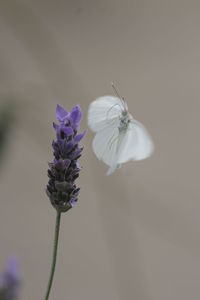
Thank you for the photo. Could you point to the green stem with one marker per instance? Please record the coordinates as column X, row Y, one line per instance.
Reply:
column 55, row 247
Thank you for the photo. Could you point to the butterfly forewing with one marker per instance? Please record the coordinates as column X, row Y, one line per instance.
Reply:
column 105, row 143
column 102, row 111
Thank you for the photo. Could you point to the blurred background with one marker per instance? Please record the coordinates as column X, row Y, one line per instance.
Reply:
column 135, row 234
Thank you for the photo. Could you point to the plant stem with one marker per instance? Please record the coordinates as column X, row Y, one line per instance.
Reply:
column 55, row 247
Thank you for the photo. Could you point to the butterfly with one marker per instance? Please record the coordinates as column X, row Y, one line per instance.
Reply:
column 119, row 137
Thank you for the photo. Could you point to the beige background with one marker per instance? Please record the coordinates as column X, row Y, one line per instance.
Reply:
column 134, row 235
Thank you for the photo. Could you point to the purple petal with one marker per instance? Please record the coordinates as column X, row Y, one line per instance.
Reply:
column 79, row 137
column 68, row 131
column 73, row 201
column 61, row 113
column 75, row 116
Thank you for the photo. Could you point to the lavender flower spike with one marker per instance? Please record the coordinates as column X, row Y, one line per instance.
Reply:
column 64, row 169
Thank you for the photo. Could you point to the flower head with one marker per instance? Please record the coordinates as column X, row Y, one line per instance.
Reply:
column 64, row 169
column 10, row 280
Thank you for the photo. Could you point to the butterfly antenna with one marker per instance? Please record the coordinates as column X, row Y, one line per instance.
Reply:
column 116, row 91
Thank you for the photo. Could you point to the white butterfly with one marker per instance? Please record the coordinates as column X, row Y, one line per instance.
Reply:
column 119, row 137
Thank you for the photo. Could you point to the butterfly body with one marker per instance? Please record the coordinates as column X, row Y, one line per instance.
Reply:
column 124, row 121
column 119, row 137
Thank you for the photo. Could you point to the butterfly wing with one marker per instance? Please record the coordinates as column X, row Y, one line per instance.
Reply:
column 119, row 142
column 137, row 143
column 105, row 143
column 102, row 111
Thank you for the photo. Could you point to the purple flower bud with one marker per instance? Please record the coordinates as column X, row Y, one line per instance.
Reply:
column 64, row 169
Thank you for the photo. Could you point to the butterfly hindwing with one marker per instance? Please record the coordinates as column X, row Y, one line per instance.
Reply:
column 137, row 143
